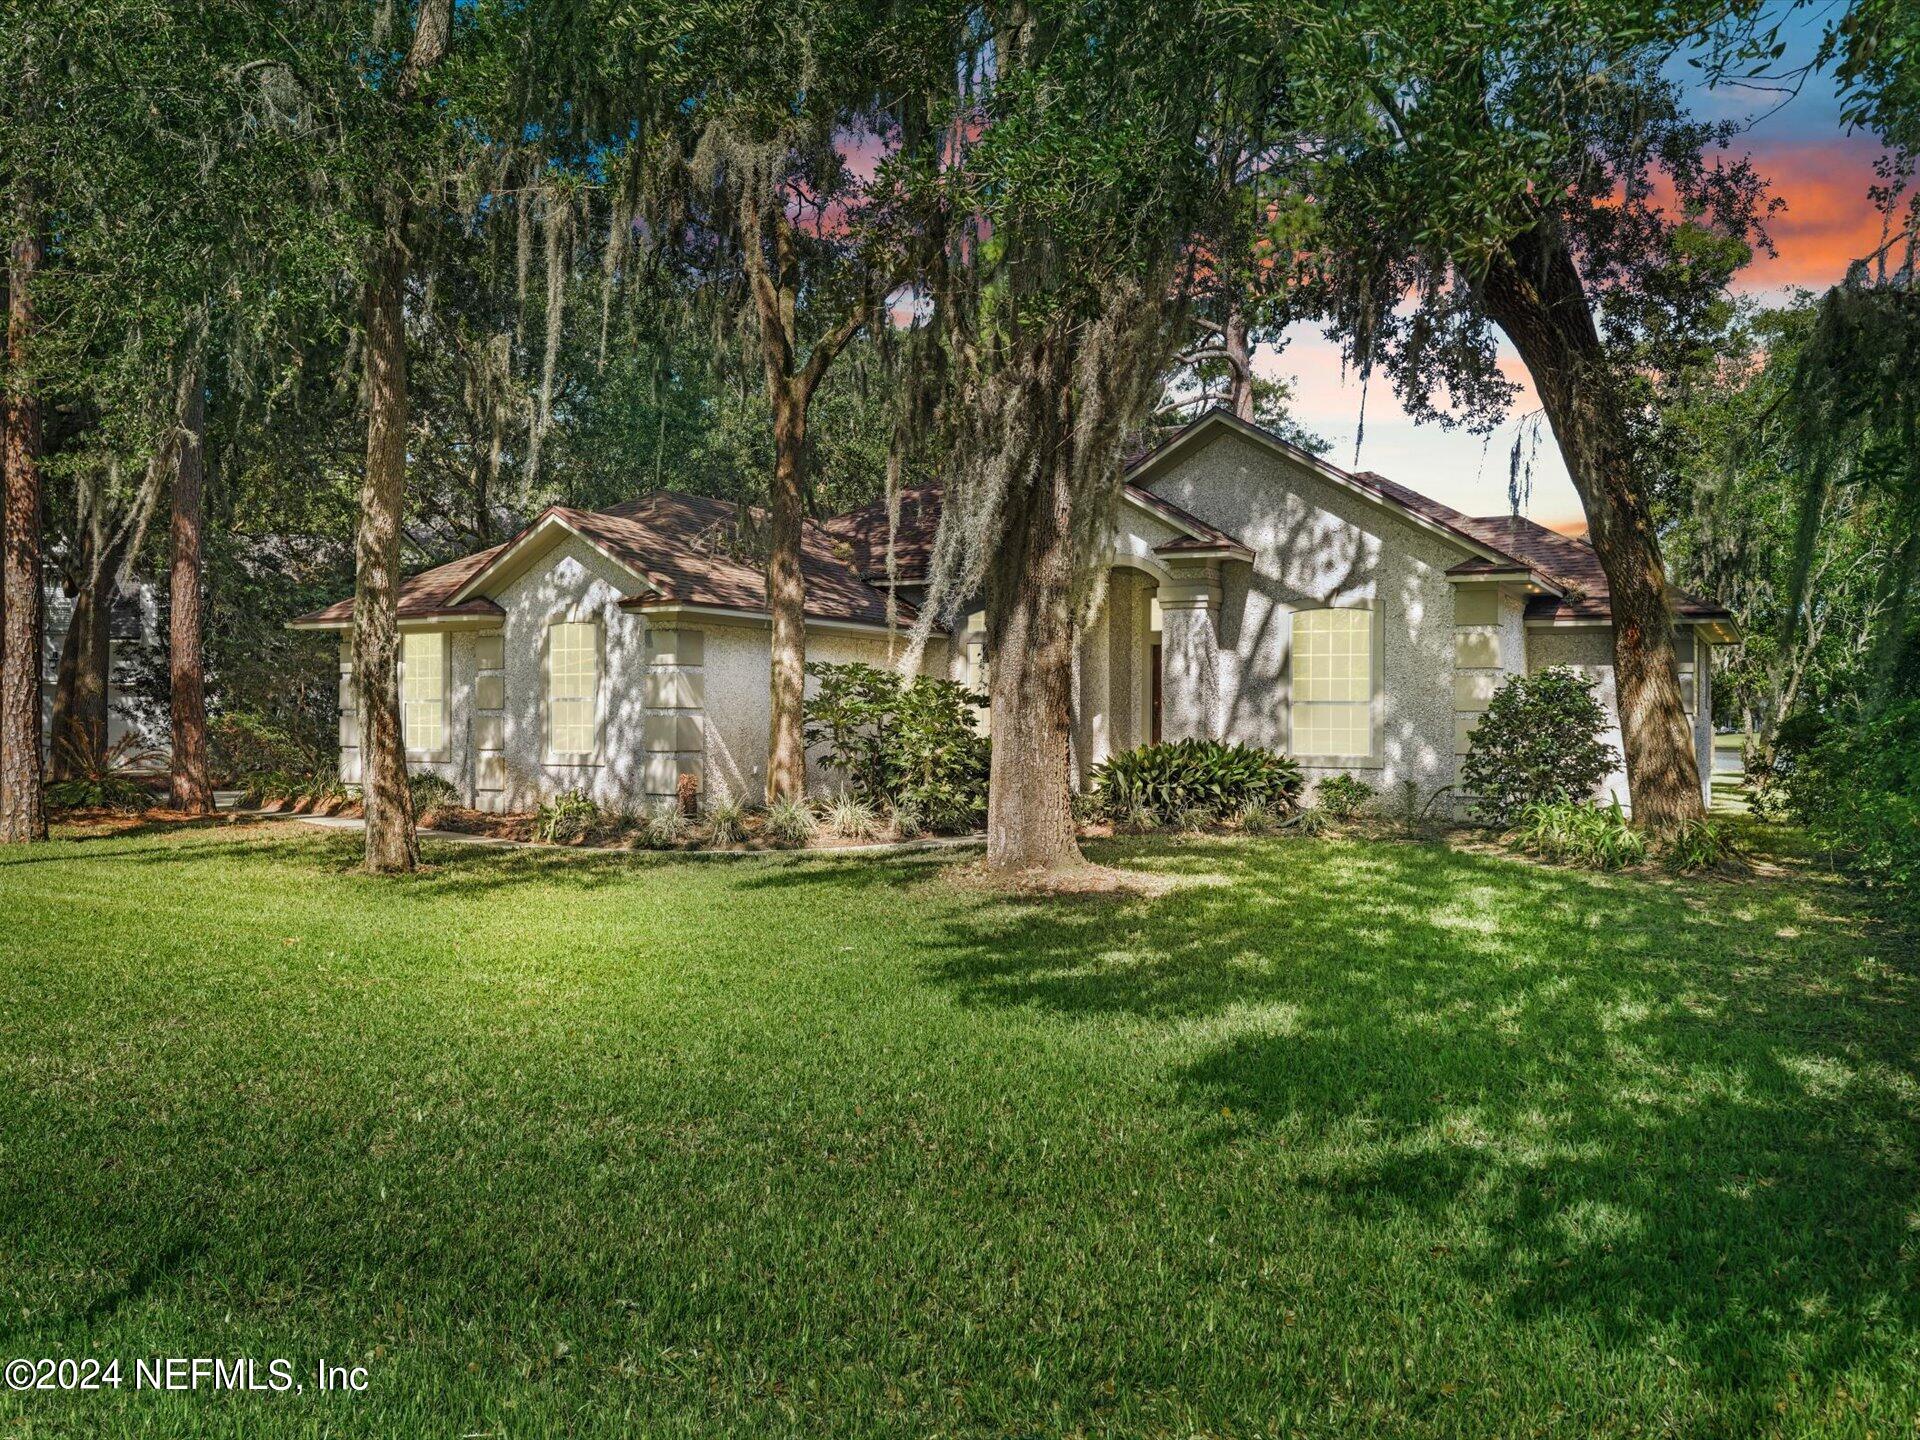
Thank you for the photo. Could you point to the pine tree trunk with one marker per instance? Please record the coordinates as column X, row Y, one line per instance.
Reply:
column 391, row 846
column 390, row 843
column 23, row 813
column 1534, row 293
column 190, row 789
column 1030, row 827
column 77, row 744
column 787, row 599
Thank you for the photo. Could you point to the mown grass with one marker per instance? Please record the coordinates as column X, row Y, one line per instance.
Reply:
column 1339, row 1139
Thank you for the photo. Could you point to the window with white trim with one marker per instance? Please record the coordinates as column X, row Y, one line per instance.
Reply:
column 573, row 682
column 423, row 693
column 1333, row 682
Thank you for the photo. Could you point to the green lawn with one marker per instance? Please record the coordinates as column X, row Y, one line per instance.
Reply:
column 1339, row 1139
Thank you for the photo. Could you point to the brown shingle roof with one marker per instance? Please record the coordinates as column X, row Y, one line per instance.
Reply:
column 686, row 547
column 864, row 533
column 1574, row 567
column 424, row 596
column 865, row 530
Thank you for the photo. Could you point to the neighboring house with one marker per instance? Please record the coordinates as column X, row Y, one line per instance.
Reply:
column 137, row 730
column 1254, row 593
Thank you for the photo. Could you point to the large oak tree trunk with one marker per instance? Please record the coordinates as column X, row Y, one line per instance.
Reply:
column 787, row 599
column 190, row 789
column 390, row 842
column 1534, row 293
column 1030, row 628
column 23, row 813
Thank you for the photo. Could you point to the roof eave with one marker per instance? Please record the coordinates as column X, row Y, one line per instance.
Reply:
column 652, row 605
column 439, row 618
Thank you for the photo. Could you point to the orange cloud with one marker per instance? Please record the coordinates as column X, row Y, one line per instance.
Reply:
column 1828, row 220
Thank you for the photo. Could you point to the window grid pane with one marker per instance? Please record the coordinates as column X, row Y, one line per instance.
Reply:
column 423, row 692
column 573, row 677
column 1333, row 682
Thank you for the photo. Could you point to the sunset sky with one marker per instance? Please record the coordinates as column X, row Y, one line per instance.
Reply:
column 1798, row 144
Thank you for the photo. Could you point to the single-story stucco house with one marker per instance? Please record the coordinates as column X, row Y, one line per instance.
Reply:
column 1256, row 593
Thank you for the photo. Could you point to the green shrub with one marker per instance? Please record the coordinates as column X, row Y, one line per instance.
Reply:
column 903, row 742
column 567, row 819
column 245, row 743
column 98, row 792
column 1577, row 832
column 1343, row 796
column 431, row 792
column 790, row 822
column 1855, row 783
column 1537, row 744
column 907, row 822
column 726, row 822
column 1171, row 779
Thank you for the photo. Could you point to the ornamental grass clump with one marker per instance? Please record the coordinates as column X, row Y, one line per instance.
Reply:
column 1256, row 817
column 852, row 818
column 567, row 819
column 1579, row 833
column 726, row 821
column 1698, row 844
column 790, row 821
column 666, row 827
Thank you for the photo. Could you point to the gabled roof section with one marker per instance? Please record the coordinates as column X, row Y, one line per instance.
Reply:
column 677, row 549
column 426, row 596
column 1428, row 514
column 1497, row 546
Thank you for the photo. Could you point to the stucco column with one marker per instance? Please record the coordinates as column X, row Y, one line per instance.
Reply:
column 1093, row 702
column 1190, row 652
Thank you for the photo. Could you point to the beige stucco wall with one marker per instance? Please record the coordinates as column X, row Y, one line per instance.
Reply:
column 739, row 708
column 722, row 701
column 1316, row 544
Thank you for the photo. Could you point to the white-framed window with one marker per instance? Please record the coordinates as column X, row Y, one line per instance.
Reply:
column 573, row 684
column 423, row 693
column 1333, row 677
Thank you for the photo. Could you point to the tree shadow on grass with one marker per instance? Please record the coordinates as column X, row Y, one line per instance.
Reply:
column 1690, row 1109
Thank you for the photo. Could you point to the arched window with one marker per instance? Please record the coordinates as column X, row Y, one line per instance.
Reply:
column 1333, row 683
